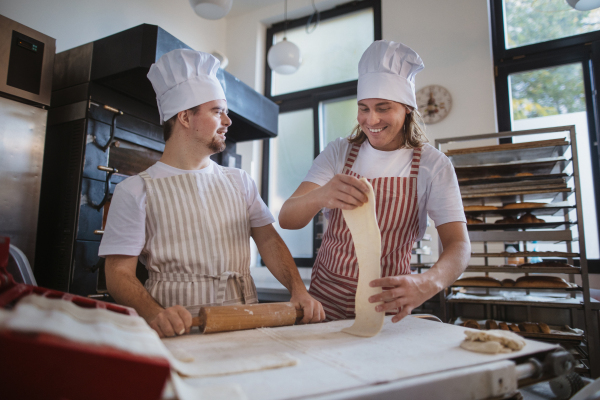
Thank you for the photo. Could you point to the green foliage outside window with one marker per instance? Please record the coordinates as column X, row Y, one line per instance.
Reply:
column 549, row 91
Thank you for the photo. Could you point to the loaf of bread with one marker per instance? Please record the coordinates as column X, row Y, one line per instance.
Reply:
column 543, row 327
column 514, row 328
column 471, row 221
column 491, row 324
column 508, row 283
column 529, row 327
column 507, row 220
column 541, row 281
column 524, row 174
column 523, row 205
column 480, row 208
column 470, row 323
column 478, row 281
column 503, row 326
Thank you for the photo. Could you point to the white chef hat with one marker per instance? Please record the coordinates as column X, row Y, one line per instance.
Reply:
column 387, row 70
column 183, row 79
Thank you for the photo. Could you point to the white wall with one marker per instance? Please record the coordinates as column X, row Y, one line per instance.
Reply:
column 452, row 38
column 76, row 22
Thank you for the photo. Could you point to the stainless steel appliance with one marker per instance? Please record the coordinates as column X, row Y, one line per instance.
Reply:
column 26, row 63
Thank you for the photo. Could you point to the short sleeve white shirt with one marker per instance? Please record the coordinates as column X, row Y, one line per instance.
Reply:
column 437, row 187
column 125, row 230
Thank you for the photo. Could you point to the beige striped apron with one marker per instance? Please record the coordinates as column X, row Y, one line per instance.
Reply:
column 197, row 241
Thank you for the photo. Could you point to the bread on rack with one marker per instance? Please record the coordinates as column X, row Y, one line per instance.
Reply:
column 480, row 208
column 524, row 174
column 471, row 323
column 543, row 327
column 529, row 218
column 529, row 327
column 522, row 205
column 541, row 281
column 503, row 326
column 514, row 328
column 508, row 283
column 484, row 281
column 491, row 324
column 507, row 220
column 471, row 221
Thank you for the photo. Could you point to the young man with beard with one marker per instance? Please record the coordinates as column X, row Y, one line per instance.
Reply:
column 188, row 219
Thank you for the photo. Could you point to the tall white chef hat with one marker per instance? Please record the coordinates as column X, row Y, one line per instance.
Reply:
column 387, row 70
column 183, row 79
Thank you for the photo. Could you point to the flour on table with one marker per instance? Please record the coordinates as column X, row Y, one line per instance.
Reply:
column 366, row 236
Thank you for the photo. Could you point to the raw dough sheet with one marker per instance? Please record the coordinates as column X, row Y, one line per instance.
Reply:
column 366, row 236
column 330, row 360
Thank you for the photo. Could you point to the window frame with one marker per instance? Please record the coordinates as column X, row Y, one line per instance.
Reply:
column 311, row 98
column 583, row 48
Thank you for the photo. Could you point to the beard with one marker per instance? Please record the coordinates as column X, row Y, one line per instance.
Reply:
column 217, row 145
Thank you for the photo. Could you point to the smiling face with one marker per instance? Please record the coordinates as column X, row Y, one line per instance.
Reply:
column 209, row 124
column 383, row 122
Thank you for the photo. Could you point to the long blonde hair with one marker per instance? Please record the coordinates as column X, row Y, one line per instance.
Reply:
column 413, row 132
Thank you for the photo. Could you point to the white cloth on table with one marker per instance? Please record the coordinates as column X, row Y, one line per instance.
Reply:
column 125, row 228
column 437, row 186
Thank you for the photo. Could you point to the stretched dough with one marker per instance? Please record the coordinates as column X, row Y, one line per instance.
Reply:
column 366, row 236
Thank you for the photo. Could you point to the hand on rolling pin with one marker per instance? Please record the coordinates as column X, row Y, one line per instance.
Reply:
column 343, row 191
column 313, row 310
column 403, row 292
column 172, row 321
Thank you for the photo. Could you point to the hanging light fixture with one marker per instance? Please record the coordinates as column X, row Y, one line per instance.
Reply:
column 284, row 57
column 211, row 9
column 584, row 5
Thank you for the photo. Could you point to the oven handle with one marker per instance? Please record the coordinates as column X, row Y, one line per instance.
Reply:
column 112, row 128
column 107, row 195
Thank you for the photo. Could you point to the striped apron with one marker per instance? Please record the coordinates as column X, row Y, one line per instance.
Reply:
column 335, row 273
column 197, row 241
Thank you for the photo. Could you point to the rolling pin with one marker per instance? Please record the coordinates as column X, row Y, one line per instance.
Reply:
column 246, row 316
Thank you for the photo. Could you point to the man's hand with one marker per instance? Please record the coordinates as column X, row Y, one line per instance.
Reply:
column 343, row 191
column 404, row 292
column 172, row 321
column 313, row 310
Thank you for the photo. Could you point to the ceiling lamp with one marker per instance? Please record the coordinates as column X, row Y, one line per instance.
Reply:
column 584, row 5
column 211, row 9
column 284, row 57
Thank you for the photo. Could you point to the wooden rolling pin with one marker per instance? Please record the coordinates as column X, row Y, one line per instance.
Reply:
column 246, row 316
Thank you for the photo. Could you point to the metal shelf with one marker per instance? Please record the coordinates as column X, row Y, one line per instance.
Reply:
column 550, row 304
column 507, row 153
column 502, row 179
column 513, row 236
column 550, row 209
column 527, row 254
column 514, row 227
column 548, row 166
column 524, row 270
column 513, row 196
column 569, row 289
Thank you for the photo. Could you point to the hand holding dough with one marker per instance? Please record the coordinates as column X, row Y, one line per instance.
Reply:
column 366, row 236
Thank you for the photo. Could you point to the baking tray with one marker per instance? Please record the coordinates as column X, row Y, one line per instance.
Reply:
column 523, row 270
column 502, row 179
column 528, row 254
column 569, row 289
column 508, row 152
column 576, row 304
column 511, row 196
column 557, row 333
column 521, row 184
column 514, row 227
column 550, row 209
column 536, row 167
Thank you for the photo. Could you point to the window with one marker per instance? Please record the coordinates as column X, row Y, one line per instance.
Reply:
column 545, row 55
column 317, row 105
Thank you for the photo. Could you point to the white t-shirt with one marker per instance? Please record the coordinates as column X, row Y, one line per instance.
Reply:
column 437, row 186
column 125, row 231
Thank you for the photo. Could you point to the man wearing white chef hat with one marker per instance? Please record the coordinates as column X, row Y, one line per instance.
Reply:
column 410, row 178
column 188, row 219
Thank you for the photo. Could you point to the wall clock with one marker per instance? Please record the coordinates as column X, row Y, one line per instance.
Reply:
column 434, row 103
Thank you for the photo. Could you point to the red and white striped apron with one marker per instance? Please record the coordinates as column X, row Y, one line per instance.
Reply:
column 335, row 273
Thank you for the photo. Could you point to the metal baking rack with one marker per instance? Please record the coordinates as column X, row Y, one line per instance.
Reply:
column 515, row 173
